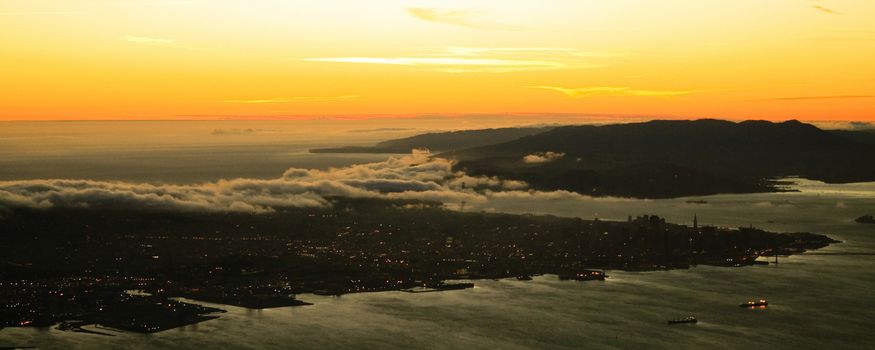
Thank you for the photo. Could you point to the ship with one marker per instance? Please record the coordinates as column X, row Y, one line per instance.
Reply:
column 439, row 287
column 755, row 303
column 585, row 275
column 453, row 286
column 690, row 319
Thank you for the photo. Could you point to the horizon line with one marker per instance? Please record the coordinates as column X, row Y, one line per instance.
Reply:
column 370, row 116
column 631, row 118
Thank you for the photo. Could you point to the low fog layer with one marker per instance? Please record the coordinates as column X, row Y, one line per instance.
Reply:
column 415, row 176
column 545, row 157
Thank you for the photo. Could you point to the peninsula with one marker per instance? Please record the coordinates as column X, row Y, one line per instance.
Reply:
column 66, row 264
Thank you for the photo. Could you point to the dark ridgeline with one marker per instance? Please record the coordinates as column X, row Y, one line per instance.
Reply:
column 865, row 136
column 75, row 264
column 660, row 159
column 656, row 159
column 441, row 141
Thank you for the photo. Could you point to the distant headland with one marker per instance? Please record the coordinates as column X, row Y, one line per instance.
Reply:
column 656, row 159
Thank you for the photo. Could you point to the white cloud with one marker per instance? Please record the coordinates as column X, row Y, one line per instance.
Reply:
column 416, row 176
column 542, row 157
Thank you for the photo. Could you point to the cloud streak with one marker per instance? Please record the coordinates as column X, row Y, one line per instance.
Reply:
column 483, row 59
column 825, row 10
column 455, row 17
column 611, row 91
column 521, row 51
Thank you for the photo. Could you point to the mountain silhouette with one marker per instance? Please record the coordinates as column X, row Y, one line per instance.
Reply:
column 669, row 158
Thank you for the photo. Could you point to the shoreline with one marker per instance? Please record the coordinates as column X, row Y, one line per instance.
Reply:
column 466, row 283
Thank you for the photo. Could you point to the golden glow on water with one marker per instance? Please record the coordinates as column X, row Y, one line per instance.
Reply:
column 156, row 59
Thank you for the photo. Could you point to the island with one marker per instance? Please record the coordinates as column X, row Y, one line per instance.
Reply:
column 126, row 269
column 866, row 219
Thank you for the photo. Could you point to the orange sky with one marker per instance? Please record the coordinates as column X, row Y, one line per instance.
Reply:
column 165, row 59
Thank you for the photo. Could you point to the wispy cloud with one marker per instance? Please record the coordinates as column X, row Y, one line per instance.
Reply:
column 809, row 98
column 861, row 125
column 825, row 10
column 522, row 51
column 482, row 59
column 611, row 91
column 296, row 99
column 456, row 17
column 154, row 41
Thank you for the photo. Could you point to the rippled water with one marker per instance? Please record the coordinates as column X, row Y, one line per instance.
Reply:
column 822, row 299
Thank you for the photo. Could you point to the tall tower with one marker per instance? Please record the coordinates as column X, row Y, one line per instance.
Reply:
column 695, row 222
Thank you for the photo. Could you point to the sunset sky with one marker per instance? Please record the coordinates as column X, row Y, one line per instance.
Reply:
column 153, row 59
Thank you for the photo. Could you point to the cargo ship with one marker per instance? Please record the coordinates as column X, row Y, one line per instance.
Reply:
column 755, row 303
column 691, row 319
column 585, row 275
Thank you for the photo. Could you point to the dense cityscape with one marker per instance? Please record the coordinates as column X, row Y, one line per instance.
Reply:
column 126, row 269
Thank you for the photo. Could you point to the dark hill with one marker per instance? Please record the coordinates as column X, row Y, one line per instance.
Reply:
column 861, row 136
column 675, row 158
column 442, row 141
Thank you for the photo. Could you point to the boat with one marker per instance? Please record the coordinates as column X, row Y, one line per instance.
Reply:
column 328, row 292
column 755, row 303
column 585, row 275
column 439, row 287
column 690, row 319
column 453, row 286
column 697, row 202
column 524, row 278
